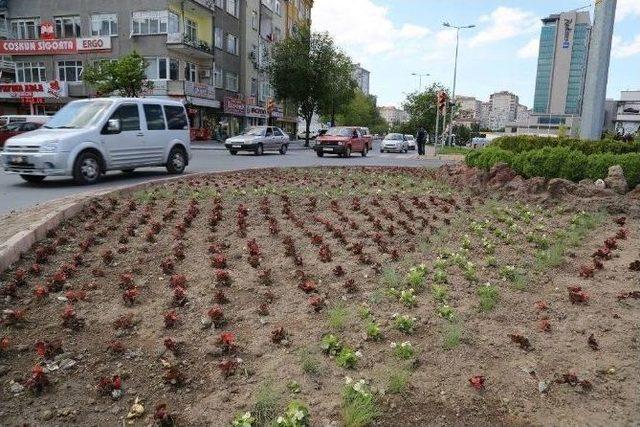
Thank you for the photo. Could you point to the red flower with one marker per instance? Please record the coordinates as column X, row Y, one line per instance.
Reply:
column 477, row 382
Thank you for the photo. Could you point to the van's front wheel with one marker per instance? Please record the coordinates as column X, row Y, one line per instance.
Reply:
column 86, row 169
column 177, row 161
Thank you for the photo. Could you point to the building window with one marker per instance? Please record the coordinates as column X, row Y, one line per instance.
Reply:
column 104, row 25
column 161, row 68
column 220, row 4
column 232, row 82
column 67, row 27
column 174, row 23
column 254, row 20
column 26, row 28
column 191, row 30
column 190, row 72
column 174, row 69
column 232, row 44
column 30, row 72
column 254, row 87
column 219, row 38
column 70, row 71
column 217, row 77
column 145, row 23
column 278, row 7
column 232, row 7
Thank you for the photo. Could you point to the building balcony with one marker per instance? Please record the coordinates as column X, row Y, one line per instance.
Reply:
column 196, row 48
column 202, row 94
column 628, row 117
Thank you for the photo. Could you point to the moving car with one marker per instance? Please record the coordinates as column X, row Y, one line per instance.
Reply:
column 87, row 138
column 394, row 142
column 411, row 142
column 367, row 135
column 258, row 140
column 342, row 141
column 16, row 128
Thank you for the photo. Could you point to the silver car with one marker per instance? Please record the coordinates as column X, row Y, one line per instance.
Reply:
column 411, row 142
column 394, row 142
column 258, row 140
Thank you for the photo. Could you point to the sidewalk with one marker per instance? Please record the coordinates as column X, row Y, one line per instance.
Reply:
column 217, row 145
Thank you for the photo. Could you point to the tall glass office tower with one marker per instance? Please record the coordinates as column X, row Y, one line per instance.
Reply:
column 562, row 63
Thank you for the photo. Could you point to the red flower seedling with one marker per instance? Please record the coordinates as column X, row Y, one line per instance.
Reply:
column 325, row 254
column 107, row 386
column 622, row 234
column 12, row 316
column 587, row 271
column 627, row 295
column 278, row 336
column 57, row 281
column 263, row 310
column 124, row 322
column 20, row 277
column 126, row 281
column 162, row 417
column 620, row 221
column 253, row 248
column 70, row 319
column 75, row 296
column 107, row 256
column 350, row 286
column 269, row 297
column 308, row 286
column 228, row 367
column 477, row 382
column 171, row 345
column 317, row 303
column 611, row 243
column 219, row 261
column 227, row 341
column 173, row 376
column 220, row 297
column 216, row 314
column 338, row 271
column 98, row 272
column 577, row 295
column 167, row 266
column 116, row 347
column 522, row 341
column 130, row 295
column 38, row 380
column 171, row 319
column 179, row 296
column 264, row 277
column 9, row 290
column 593, row 343
column 223, row 278
column 49, row 349
column 35, row 269
column 178, row 281
column 603, row 253
column 598, row 264
column 544, row 325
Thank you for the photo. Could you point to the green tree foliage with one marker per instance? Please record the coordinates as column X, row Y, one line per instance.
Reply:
column 422, row 109
column 308, row 70
column 126, row 76
column 463, row 134
column 362, row 111
column 341, row 87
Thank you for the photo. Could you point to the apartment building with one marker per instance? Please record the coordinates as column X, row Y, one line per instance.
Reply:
column 393, row 115
column 504, row 109
column 362, row 78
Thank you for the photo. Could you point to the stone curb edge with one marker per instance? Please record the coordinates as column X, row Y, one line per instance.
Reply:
column 22, row 241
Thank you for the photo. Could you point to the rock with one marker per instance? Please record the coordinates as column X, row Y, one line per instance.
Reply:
column 47, row 415
column 500, row 174
column 559, row 187
column 4, row 369
column 586, row 183
column 536, row 185
column 67, row 364
column 206, row 322
column 543, row 386
column 600, row 184
column 635, row 194
column 16, row 388
column 616, row 180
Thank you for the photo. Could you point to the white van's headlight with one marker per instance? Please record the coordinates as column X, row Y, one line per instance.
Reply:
column 49, row 147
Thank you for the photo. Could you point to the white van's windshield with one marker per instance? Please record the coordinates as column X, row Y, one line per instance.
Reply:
column 78, row 115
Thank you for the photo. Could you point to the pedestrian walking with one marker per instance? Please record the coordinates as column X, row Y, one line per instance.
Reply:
column 421, row 139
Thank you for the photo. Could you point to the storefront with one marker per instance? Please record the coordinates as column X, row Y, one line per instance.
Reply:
column 201, row 108
column 255, row 116
column 33, row 98
column 228, row 123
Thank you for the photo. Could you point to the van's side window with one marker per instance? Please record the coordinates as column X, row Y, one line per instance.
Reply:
column 129, row 117
column 176, row 117
column 154, row 116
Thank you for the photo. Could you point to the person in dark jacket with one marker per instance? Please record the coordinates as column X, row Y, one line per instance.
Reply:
column 421, row 139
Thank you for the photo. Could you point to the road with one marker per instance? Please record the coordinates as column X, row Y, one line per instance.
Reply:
column 15, row 194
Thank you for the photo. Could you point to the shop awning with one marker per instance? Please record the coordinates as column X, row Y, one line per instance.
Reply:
column 202, row 102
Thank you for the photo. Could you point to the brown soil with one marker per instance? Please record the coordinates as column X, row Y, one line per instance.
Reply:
column 402, row 218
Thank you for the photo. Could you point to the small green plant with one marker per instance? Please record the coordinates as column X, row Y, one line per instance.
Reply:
column 243, row 420
column 440, row 276
column 403, row 350
column 266, row 407
column 398, row 381
column 347, row 358
column 470, row 272
column 491, row 261
column 451, row 336
column 390, row 278
column 416, row 275
column 466, row 242
column 374, row 333
column 364, row 312
column 358, row 404
column 296, row 415
column 440, row 264
column 513, row 275
column 489, row 296
column 440, row 293
column 331, row 345
column 408, row 298
column 446, row 312
column 294, row 387
column 488, row 247
column 337, row 318
column 311, row 364
column 404, row 323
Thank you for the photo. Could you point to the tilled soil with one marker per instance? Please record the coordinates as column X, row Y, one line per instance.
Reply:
column 375, row 224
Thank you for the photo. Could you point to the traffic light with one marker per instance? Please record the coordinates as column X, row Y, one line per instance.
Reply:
column 271, row 105
column 442, row 101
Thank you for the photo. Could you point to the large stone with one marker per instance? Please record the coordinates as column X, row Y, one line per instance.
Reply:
column 559, row 187
column 616, row 180
column 500, row 174
column 635, row 194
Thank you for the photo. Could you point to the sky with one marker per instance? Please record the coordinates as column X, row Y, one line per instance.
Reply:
column 395, row 38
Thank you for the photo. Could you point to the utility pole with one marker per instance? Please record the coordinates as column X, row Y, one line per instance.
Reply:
column 595, row 92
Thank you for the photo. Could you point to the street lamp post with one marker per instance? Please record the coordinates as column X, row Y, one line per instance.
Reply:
column 455, row 71
column 420, row 76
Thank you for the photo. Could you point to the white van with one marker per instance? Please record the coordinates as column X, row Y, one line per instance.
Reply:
column 11, row 119
column 87, row 138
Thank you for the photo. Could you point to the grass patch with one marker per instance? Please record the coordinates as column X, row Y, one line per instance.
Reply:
column 337, row 318
column 489, row 296
column 359, row 408
column 451, row 334
column 398, row 381
column 311, row 364
column 449, row 150
column 391, row 278
column 267, row 405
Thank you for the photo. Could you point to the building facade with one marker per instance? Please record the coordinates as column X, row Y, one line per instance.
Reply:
column 562, row 63
column 362, row 78
column 393, row 115
column 504, row 109
column 627, row 113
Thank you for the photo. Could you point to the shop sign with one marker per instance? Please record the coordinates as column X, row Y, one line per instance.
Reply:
column 47, row 30
column 200, row 90
column 54, row 47
column 277, row 113
column 257, row 112
column 52, row 89
column 234, row 106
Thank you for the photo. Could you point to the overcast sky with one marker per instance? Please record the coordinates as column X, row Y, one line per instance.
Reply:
column 394, row 38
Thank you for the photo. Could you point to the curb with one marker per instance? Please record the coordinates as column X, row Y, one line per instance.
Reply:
column 21, row 242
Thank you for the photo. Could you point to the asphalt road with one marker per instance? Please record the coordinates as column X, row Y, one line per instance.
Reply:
column 15, row 194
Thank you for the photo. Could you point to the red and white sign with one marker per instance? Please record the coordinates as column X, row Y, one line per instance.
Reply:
column 47, row 30
column 54, row 47
column 52, row 89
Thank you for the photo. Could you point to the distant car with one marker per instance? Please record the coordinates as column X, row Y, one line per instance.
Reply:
column 258, row 140
column 313, row 134
column 342, row 141
column 16, row 128
column 394, row 142
column 411, row 142
column 479, row 142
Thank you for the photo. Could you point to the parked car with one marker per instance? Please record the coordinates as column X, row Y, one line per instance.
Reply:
column 394, row 142
column 342, row 141
column 313, row 134
column 479, row 142
column 16, row 128
column 411, row 142
column 258, row 140
column 366, row 134
column 15, row 118
column 87, row 138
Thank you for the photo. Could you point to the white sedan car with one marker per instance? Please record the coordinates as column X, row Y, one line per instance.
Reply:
column 411, row 142
column 394, row 142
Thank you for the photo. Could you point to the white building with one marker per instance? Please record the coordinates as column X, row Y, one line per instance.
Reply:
column 362, row 77
column 469, row 107
column 627, row 119
column 504, row 109
column 393, row 115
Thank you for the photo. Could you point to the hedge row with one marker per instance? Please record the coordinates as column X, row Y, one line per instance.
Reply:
column 522, row 143
column 558, row 162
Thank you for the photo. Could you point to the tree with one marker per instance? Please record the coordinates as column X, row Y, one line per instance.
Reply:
column 341, row 87
column 126, row 76
column 303, row 71
column 362, row 111
column 422, row 109
column 462, row 133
